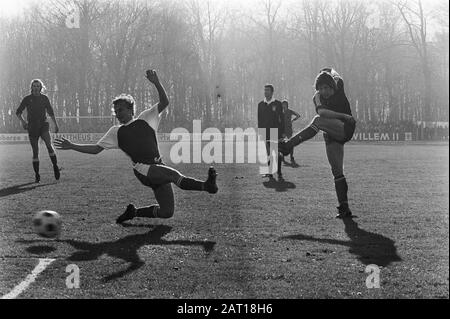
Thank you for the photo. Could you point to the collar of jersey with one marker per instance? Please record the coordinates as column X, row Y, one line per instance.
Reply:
column 129, row 122
column 268, row 102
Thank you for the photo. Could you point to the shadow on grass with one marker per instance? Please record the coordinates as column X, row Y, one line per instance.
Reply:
column 369, row 248
column 127, row 248
column 279, row 185
column 21, row 188
column 41, row 249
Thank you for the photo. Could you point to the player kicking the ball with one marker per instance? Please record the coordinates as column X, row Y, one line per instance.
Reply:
column 137, row 138
column 334, row 118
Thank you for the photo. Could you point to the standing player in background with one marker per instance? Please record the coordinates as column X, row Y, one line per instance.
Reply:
column 288, row 120
column 137, row 138
column 334, row 118
column 270, row 115
column 37, row 106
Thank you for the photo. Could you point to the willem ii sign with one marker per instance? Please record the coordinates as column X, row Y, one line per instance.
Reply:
column 165, row 137
column 379, row 136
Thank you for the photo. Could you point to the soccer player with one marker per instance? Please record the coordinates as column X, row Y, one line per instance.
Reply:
column 270, row 115
column 137, row 138
column 335, row 119
column 288, row 120
column 37, row 106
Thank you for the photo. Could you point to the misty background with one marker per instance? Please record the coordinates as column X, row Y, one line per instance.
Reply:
column 214, row 57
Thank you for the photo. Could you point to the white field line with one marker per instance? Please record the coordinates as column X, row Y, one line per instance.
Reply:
column 43, row 263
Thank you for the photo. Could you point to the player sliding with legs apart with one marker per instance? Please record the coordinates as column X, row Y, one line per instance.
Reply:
column 335, row 120
column 137, row 138
column 37, row 106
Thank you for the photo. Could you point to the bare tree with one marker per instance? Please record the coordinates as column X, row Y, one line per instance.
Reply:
column 214, row 59
column 416, row 23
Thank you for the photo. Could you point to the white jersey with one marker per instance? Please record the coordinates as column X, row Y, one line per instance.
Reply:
column 136, row 139
column 110, row 139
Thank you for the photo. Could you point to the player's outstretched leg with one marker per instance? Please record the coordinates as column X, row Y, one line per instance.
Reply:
column 162, row 174
column 164, row 209
column 189, row 183
column 333, row 127
column 51, row 152
column 307, row 133
column 335, row 155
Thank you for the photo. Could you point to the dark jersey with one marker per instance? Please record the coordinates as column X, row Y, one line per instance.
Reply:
column 270, row 115
column 37, row 107
column 338, row 102
column 136, row 138
column 138, row 141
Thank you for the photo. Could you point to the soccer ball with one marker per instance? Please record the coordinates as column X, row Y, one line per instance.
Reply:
column 47, row 223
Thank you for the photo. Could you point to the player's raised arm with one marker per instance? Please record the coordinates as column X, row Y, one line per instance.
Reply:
column 64, row 144
column 108, row 141
column 163, row 99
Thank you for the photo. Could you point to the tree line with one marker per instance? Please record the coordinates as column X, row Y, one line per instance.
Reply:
column 214, row 58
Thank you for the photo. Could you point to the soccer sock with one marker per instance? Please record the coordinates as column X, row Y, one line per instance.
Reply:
column 53, row 159
column 36, row 165
column 148, row 212
column 280, row 160
column 268, row 154
column 188, row 183
column 341, row 187
column 305, row 134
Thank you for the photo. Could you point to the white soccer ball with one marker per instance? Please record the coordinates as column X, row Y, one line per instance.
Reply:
column 47, row 223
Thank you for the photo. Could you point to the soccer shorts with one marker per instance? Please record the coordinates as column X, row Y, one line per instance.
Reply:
column 36, row 131
column 141, row 172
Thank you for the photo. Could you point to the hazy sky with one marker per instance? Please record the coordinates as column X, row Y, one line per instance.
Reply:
column 12, row 8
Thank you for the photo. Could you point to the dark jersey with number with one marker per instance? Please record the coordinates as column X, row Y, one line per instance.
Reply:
column 138, row 141
column 37, row 107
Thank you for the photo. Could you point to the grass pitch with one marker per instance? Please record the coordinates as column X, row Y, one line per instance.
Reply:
column 251, row 240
